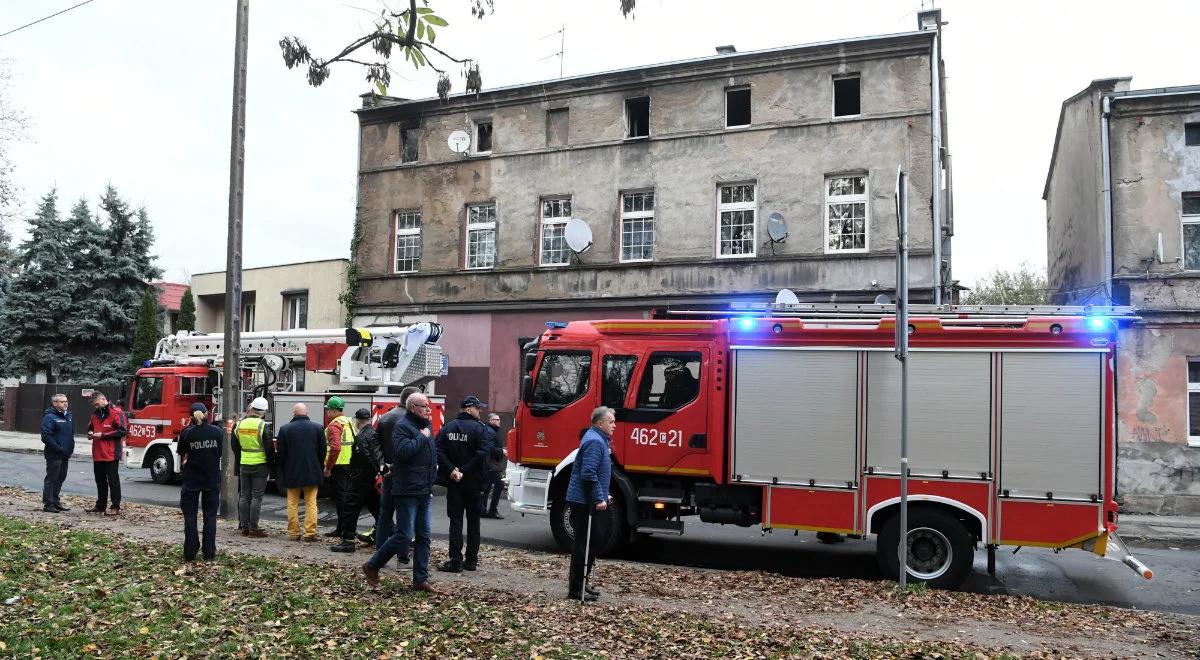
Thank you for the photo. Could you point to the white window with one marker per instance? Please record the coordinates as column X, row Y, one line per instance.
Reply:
column 247, row 317
column 637, row 226
column 846, row 214
column 408, row 241
column 736, row 211
column 554, row 250
column 295, row 309
column 1191, row 230
column 1193, row 390
column 481, row 236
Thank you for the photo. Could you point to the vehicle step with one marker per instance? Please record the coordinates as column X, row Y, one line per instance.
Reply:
column 660, row 495
column 674, row 527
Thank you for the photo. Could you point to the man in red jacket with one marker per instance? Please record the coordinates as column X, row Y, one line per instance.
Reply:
column 107, row 427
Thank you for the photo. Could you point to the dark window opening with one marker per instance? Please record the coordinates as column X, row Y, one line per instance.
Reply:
column 637, row 117
column 557, row 127
column 149, row 392
column 618, row 371
column 483, row 137
column 562, row 378
column 1191, row 203
column 737, row 107
column 408, row 145
column 670, row 381
column 847, row 97
column 1191, row 135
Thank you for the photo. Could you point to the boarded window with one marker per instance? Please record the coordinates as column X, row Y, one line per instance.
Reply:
column 637, row 117
column 847, row 99
column 737, row 107
column 408, row 144
column 1191, row 135
column 557, row 127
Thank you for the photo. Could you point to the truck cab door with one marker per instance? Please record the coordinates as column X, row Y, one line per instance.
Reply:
column 664, row 424
column 560, row 406
column 147, row 409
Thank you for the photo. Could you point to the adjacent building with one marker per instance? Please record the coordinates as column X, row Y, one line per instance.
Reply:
column 675, row 169
column 1123, row 225
column 170, row 297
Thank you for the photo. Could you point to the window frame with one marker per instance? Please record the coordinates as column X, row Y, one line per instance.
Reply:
column 416, row 146
column 864, row 198
column 623, row 215
column 137, row 390
column 1192, row 127
column 1186, row 219
column 749, row 108
column 397, row 233
column 1192, row 440
column 248, row 316
column 493, row 225
column 737, row 206
column 583, row 391
column 558, row 112
column 647, row 378
column 604, row 362
column 833, row 96
column 301, row 314
column 649, row 114
column 475, row 124
column 557, row 221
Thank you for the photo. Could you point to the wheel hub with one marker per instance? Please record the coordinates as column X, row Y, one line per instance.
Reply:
column 929, row 553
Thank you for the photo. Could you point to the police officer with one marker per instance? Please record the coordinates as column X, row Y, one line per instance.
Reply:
column 463, row 448
column 254, row 449
column 339, row 436
column 200, row 451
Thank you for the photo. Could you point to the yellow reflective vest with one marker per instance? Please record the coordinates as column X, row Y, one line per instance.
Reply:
column 347, row 440
column 249, row 435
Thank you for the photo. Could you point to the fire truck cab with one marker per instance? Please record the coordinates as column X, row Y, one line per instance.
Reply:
column 787, row 417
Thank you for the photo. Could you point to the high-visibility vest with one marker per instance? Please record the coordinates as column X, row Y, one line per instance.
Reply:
column 347, row 440
column 249, row 435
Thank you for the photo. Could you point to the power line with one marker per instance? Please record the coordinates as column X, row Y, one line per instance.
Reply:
column 46, row 18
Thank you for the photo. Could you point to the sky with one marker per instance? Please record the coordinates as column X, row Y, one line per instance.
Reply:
column 137, row 93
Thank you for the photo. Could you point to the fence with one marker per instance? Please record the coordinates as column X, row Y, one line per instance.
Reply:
column 32, row 400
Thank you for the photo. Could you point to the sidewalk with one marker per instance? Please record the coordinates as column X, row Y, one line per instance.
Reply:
column 1160, row 531
column 32, row 442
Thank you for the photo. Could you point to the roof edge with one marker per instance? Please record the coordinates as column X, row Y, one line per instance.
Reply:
column 1096, row 85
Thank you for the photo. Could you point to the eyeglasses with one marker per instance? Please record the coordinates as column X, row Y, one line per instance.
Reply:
column 420, row 405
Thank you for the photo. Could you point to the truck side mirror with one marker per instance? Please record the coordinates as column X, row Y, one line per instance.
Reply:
column 530, row 360
column 527, row 388
column 123, row 396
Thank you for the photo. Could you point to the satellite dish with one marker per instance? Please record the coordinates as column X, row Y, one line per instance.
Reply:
column 786, row 297
column 459, row 142
column 777, row 227
column 578, row 235
column 882, row 299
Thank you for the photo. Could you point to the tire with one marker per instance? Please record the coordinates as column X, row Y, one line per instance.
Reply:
column 560, row 523
column 941, row 550
column 162, row 466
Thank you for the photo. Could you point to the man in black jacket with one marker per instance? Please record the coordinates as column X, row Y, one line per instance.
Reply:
column 301, row 456
column 463, row 449
column 413, row 472
column 364, row 465
column 493, row 488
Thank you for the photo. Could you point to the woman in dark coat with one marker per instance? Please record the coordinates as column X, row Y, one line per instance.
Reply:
column 200, row 451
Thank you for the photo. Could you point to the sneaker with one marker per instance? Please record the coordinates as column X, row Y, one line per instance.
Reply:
column 50, row 508
column 372, row 574
column 450, row 566
column 470, row 565
column 61, row 507
column 344, row 546
column 592, row 590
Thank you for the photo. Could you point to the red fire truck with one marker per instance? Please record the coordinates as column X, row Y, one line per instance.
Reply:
column 787, row 416
column 371, row 366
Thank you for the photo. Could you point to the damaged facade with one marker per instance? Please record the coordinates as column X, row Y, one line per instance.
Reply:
column 675, row 168
column 1123, row 225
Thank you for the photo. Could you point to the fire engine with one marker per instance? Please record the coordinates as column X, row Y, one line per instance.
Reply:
column 787, row 417
column 371, row 366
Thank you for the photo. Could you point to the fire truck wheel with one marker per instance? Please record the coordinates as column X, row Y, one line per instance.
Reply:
column 940, row 549
column 564, row 535
column 162, row 466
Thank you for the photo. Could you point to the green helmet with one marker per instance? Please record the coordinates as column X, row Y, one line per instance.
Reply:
column 335, row 403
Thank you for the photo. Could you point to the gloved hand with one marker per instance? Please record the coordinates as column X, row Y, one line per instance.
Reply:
column 379, row 483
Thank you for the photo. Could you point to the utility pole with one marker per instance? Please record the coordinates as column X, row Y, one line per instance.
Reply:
column 231, row 387
column 902, row 356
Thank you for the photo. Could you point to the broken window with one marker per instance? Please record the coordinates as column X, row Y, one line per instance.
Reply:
column 557, row 127
column 408, row 241
column 1193, row 390
column 555, row 213
column 736, row 210
column 847, row 97
column 637, row 226
column 408, row 144
column 483, row 136
column 1191, row 231
column 737, row 107
column 1191, row 135
column 481, row 236
column 637, row 117
column 846, row 214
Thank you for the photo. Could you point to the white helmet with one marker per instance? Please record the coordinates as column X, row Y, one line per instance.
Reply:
column 259, row 403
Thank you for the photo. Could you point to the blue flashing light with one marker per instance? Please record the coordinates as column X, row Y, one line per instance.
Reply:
column 148, row 363
column 745, row 323
column 1097, row 323
column 556, row 325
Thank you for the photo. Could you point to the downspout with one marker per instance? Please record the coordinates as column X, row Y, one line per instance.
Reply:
column 1106, row 166
column 935, row 84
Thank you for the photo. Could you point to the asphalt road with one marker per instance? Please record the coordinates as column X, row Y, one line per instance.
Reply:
column 1071, row 576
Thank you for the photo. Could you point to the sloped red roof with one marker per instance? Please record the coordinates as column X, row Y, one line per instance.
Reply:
column 170, row 295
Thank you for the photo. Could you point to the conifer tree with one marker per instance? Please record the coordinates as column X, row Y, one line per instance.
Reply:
column 187, row 312
column 39, row 298
column 148, row 332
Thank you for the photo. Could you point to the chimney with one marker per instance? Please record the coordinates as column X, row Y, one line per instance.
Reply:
column 726, row 50
column 929, row 19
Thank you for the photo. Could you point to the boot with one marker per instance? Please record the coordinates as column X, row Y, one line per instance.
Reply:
column 346, row 545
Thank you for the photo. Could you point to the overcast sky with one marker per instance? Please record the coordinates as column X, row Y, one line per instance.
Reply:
column 137, row 93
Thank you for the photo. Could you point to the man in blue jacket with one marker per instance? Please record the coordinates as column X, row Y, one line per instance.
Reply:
column 58, row 434
column 587, row 495
column 414, row 468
